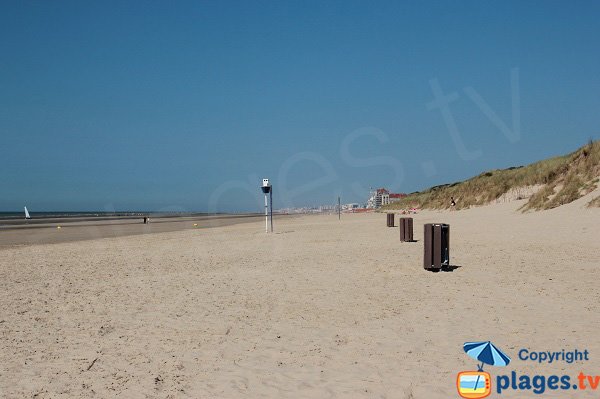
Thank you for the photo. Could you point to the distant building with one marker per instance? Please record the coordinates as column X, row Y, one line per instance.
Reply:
column 350, row 207
column 381, row 197
column 385, row 199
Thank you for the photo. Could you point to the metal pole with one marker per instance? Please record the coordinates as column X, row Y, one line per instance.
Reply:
column 339, row 209
column 266, row 214
column 271, row 206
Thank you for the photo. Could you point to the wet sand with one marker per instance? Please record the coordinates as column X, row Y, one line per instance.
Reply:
column 46, row 231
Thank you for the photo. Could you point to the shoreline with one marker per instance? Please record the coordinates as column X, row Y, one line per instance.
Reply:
column 46, row 231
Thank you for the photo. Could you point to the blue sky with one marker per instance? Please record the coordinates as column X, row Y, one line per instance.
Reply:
column 187, row 105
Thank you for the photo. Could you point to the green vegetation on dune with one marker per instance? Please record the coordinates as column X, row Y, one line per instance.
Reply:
column 557, row 181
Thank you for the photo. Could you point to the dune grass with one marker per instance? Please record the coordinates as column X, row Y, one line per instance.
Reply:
column 560, row 180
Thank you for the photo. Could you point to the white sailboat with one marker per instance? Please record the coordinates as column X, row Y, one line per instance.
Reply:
column 27, row 216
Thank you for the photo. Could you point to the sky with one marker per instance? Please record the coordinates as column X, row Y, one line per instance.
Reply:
column 186, row 106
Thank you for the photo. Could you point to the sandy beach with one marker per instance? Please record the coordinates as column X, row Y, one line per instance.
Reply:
column 320, row 309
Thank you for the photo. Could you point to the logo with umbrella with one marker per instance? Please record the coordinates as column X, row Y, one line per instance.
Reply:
column 478, row 384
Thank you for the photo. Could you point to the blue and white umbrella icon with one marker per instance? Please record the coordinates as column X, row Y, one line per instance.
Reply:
column 486, row 353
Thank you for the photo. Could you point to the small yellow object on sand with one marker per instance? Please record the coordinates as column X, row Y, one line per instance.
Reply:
column 58, row 227
column 195, row 224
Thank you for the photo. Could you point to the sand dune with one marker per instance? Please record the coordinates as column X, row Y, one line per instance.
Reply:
column 321, row 309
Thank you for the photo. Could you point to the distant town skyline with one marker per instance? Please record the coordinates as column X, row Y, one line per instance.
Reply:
column 186, row 106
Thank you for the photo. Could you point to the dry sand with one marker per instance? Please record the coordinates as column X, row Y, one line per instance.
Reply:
column 321, row 309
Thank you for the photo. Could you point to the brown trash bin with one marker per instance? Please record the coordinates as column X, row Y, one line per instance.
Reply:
column 406, row 229
column 390, row 220
column 437, row 246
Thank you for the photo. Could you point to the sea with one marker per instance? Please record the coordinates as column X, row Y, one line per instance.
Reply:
column 93, row 214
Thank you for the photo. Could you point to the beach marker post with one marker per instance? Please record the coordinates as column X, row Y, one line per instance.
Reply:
column 436, row 246
column 267, row 189
column 406, row 229
column 390, row 220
